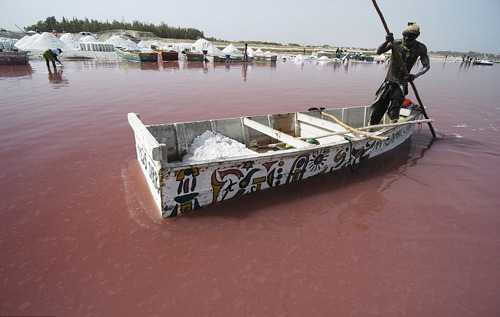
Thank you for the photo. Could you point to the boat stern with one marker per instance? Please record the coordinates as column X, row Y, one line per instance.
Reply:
column 149, row 155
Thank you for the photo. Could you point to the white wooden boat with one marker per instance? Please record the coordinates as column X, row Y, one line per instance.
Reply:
column 482, row 62
column 265, row 58
column 229, row 58
column 166, row 54
column 14, row 58
column 136, row 55
column 315, row 142
column 195, row 57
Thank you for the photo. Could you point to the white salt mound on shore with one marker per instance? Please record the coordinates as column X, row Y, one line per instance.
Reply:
column 203, row 45
column 6, row 43
column 71, row 40
column 68, row 41
column 88, row 39
column 211, row 146
column 250, row 51
column 231, row 49
column 41, row 42
column 117, row 41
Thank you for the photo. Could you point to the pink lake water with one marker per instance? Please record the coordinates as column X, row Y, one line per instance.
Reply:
column 417, row 233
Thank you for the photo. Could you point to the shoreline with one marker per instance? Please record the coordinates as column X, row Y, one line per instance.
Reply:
column 93, row 55
column 36, row 54
column 147, row 41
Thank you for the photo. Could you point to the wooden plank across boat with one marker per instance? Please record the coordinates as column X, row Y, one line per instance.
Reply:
column 136, row 56
column 287, row 147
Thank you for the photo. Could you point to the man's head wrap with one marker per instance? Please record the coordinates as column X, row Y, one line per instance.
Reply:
column 412, row 28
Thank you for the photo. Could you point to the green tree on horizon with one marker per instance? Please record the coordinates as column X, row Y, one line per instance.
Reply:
column 76, row 25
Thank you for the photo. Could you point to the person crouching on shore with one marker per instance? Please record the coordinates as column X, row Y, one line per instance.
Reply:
column 50, row 55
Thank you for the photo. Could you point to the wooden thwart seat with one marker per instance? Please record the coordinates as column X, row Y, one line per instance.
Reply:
column 322, row 123
column 345, row 126
column 278, row 135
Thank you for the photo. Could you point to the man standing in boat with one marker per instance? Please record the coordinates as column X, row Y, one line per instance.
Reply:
column 392, row 92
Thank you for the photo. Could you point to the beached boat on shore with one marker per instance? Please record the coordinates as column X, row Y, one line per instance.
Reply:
column 229, row 58
column 169, row 55
column 265, row 58
column 195, row 57
column 136, row 55
column 14, row 58
column 286, row 148
column 166, row 55
column 482, row 62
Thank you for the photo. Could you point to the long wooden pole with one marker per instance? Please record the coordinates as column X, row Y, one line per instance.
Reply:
column 370, row 127
column 400, row 59
column 354, row 130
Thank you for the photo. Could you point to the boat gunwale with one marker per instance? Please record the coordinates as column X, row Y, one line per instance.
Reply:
column 179, row 164
column 174, row 192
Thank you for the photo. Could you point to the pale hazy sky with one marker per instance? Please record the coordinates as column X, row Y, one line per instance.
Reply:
column 457, row 25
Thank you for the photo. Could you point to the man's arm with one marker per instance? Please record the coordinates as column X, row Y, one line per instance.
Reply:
column 387, row 45
column 426, row 65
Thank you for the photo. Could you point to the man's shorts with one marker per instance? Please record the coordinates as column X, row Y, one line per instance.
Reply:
column 48, row 55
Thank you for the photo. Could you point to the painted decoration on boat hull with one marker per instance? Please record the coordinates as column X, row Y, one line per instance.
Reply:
column 188, row 189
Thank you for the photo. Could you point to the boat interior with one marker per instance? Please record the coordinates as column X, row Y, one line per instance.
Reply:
column 264, row 132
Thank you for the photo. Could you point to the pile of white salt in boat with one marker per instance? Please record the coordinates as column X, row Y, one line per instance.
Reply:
column 211, row 146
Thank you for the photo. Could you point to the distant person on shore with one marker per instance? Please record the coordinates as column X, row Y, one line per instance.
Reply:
column 245, row 53
column 50, row 55
column 391, row 94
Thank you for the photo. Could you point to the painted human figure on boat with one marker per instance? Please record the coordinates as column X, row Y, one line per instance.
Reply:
column 253, row 176
column 186, row 198
column 195, row 187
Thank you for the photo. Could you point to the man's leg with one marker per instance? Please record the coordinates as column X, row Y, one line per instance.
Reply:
column 379, row 107
column 397, row 100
